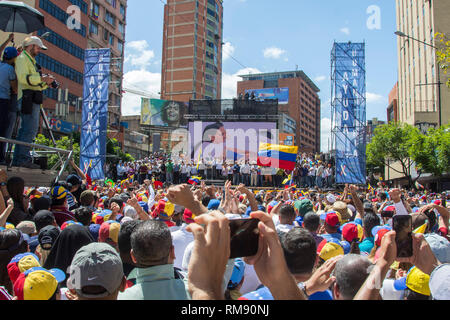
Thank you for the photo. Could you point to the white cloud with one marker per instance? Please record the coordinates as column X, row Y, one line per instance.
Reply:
column 229, row 82
column 320, row 78
column 273, row 52
column 228, row 50
column 345, row 30
column 138, row 54
column 373, row 97
column 325, row 134
column 140, row 80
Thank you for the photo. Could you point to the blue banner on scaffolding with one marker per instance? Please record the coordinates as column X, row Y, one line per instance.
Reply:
column 349, row 111
column 95, row 112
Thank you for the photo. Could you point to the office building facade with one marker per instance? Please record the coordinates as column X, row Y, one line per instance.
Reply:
column 421, row 99
column 192, row 50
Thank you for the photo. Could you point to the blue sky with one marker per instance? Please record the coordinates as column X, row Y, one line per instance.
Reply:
column 268, row 36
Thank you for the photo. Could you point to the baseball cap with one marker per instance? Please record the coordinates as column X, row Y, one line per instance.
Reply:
column 271, row 205
column 352, row 231
column 43, row 218
column 59, row 193
column 47, row 237
column 328, row 249
column 440, row 247
column 213, row 204
column 379, row 236
column 33, row 40
column 238, row 273
column 97, row 264
column 440, row 282
column 69, row 223
column 331, row 198
column 10, row 53
column 343, row 209
column 109, row 230
column 303, row 206
column 94, row 230
column 165, row 208
column 27, row 227
column 188, row 216
column 416, row 281
column 38, row 283
column 332, row 218
column 101, row 216
column 74, row 180
column 143, row 205
column 21, row 263
column 375, row 229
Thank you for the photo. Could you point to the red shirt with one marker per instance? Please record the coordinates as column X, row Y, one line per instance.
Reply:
column 62, row 214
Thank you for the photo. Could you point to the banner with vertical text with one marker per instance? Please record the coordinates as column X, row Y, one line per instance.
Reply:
column 95, row 112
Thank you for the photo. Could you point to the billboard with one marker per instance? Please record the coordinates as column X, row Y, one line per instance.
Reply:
column 287, row 139
column 94, row 119
column 282, row 94
column 63, row 126
column 229, row 141
column 349, row 111
column 163, row 113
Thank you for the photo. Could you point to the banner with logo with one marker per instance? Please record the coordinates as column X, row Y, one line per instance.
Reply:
column 95, row 112
column 349, row 111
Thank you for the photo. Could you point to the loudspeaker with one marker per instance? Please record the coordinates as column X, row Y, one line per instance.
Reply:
column 156, row 142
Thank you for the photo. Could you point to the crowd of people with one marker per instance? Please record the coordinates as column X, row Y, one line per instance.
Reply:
column 142, row 239
column 311, row 171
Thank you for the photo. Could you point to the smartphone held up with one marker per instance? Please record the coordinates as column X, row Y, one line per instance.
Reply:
column 402, row 225
column 244, row 238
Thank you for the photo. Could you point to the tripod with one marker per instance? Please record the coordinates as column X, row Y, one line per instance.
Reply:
column 16, row 129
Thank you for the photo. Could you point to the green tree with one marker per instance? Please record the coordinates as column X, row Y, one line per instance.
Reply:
column 64, row 143
column 391, row 144
column 431, row 152
column 443, row 53
column 113, row 149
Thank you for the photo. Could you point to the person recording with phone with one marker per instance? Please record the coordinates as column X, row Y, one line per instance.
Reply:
column 30, row 97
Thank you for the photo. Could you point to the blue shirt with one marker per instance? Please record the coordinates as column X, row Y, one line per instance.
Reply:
column 265, row 294
column 7, row 74
column 367, row 245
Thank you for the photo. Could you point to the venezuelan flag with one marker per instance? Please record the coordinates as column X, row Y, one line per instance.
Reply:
column 194, row 180
column 277, row 156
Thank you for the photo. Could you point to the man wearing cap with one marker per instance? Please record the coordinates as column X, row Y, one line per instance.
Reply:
column 153, row 254
column 96, row 273
column 59, row 206
column 30, row 87
column 8, row 97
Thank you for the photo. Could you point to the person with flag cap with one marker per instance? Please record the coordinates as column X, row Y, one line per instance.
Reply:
column 59, row 205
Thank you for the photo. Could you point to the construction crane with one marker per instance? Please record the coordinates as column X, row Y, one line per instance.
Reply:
column 141, row 93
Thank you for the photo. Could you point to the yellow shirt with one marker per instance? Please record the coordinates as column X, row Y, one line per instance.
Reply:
column 27, row 76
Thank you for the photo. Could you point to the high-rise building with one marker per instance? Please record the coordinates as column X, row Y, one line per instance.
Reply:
column 101, row 25
column 392, row 110
column 107, row 22
column 192, row 50
column 64, row 58
column 302, row 105
column 371, row 126
column 420, row 98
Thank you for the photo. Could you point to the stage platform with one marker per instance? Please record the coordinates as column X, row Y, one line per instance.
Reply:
column 34, row 177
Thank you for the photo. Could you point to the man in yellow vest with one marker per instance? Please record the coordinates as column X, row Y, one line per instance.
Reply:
column 30, row 97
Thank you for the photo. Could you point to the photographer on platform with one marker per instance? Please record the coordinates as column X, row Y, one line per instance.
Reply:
column 30, row 97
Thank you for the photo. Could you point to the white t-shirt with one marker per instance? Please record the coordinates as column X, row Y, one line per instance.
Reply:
column 284, row 227
column 180, row 240
column 251, row 280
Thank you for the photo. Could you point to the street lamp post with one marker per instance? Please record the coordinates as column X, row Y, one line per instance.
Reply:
column 403, row 35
